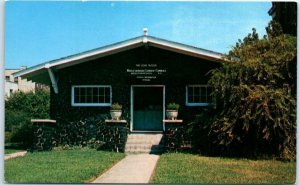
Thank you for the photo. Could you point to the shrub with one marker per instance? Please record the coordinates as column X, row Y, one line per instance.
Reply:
column 116, row 106
column 34, row 104
column 256, row 106
column 18, row 128
column 14, row 118
column 23, row 134
column 173, row 106
column 20, row 108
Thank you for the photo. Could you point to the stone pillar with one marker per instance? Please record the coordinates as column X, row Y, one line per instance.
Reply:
column 115, row 135
column 175, row 135
column 44, row 134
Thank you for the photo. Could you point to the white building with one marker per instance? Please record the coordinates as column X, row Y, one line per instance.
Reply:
column 17, row 84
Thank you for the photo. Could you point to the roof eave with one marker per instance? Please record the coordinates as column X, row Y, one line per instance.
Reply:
column 185, row 49
column 119, row 47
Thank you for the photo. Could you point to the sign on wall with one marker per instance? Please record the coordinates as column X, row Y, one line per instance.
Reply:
column 146, row 72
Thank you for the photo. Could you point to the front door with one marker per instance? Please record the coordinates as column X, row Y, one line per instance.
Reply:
column 148, row 108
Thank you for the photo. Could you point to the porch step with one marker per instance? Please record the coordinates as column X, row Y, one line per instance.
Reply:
column 144, row 143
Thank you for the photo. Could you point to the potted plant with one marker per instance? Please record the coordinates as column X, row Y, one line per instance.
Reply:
column 172, row 111
column 115, row 111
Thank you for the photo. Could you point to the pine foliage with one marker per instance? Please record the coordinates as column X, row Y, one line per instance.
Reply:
column 255, row 97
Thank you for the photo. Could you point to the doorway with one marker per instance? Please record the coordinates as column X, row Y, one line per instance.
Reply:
column 147, row 108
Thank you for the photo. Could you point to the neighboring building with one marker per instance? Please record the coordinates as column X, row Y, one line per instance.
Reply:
column 286, row 14
column 13, row 84
column 143, row 74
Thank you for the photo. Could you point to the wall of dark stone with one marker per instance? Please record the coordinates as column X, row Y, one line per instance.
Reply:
column 44, row 136
column 114, row 137
column 177, row 137
column 91, row 132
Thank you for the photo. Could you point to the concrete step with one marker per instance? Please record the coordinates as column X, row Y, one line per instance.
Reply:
column 143, row 146
column 144, row 151
column 139, row 136
column 144, row 143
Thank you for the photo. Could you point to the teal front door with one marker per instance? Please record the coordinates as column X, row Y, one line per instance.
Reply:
column 148, row 108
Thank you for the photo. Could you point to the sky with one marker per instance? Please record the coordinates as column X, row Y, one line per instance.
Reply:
column 37, row 32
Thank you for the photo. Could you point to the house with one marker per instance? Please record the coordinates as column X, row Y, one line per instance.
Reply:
column 143, row 74
column 14, row 84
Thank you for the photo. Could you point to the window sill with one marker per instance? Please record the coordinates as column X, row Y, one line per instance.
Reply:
column 197, row 104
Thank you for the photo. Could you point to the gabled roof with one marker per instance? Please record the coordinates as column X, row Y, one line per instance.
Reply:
column 39, row 73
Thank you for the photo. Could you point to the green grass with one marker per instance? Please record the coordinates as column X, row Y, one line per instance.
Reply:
column 67, row 166
column 10, row 151
column 189, row 168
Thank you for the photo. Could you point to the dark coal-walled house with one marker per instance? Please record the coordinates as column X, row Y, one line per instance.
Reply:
column 143, row 74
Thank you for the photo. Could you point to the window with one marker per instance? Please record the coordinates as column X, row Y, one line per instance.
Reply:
column 91, row 95
column 16, row 79
column 198, row 95
column 7, row 78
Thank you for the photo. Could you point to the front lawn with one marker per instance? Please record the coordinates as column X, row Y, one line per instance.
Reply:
column 189, row 168
column 67, row 166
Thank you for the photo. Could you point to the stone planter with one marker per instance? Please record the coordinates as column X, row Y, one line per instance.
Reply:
column 115, row 114
column 172, row 114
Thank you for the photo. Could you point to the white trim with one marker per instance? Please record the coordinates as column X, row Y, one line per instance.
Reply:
column 122, row 46
column 43, row 121
column 53, row 80
column 197, row 104
column 90, row 104
column 97, row 52
column 164, row 106
column 185, row 49
column 132, row 102
column 131, row 108
column 145, row 39
column 202, row 104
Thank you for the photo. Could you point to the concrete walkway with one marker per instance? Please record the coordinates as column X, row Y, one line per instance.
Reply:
column 134, row 168
column 13, row 155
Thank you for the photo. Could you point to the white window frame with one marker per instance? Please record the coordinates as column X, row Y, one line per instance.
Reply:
column 195, row 104
column 90, row 104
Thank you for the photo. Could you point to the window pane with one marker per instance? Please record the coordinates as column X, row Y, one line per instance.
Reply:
column 107, row 99
column 76, row 91
column 82, row 91
column 197, row 99
column 95, row 99
column 79, row 99
column 199, row 94
column 203, row 95
column 100, row 91
column 89, row 91
column 190, row 99
column 92, row 95
column 203, row 91
column 101, row 99
column 197, row 91
column 107, row 91
column 88, row 99
column 95, row 91
column 76, row 100
column 190, row 91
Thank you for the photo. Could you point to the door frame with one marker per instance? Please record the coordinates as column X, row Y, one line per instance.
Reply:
column 132, row 103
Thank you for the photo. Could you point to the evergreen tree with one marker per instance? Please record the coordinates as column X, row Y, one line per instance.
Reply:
column 255, row 92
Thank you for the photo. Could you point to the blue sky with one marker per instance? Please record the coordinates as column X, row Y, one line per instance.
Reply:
column 37, row 32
